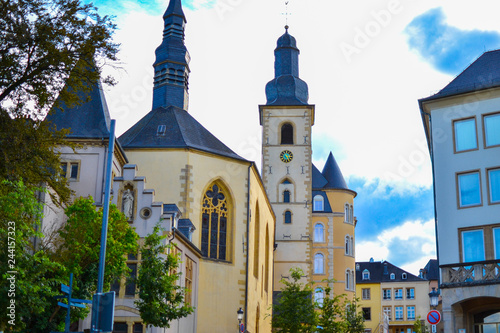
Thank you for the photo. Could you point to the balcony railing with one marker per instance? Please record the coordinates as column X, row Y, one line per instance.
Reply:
column 470, row 273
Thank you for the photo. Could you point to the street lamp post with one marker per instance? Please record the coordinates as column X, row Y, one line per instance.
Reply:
column 240, row 318
column 434, row 297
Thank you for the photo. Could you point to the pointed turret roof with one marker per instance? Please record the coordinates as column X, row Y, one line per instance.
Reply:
column 173, row 127
column 89, row 120
column 286, row 88
column 333, row 175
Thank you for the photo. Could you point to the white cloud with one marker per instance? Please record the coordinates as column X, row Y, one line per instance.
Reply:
column 416, row 239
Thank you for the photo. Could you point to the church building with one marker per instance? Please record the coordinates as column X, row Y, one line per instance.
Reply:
column 238, row 230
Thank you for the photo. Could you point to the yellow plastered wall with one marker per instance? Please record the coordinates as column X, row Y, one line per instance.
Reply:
column 181, row 177
column 374, row 303
column 338, row 230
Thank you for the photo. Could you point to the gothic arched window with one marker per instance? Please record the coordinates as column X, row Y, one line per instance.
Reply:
column 214, row 223
column 287, row 134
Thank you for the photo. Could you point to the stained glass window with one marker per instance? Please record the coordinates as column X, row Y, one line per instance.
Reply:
column 214, row 224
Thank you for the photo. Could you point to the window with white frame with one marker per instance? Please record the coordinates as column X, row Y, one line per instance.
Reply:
column 319, row 233
column 469, row 189
column 319, row 263
column 393, row 276
column 398, row 293
column 365, row 293
column 494, row 185
column 465, row 134
column 349, row 280
column 351, row 214
column 404, row 276
column 398, row 310
column 386, row 293
column 492, row 130
column 410, row 312
column 318, row 203
column 473, row 245
column 388, row 312
column 319, row 296
column 346, row 213
column 410, row 293
column 366, row 275
column 349, row 245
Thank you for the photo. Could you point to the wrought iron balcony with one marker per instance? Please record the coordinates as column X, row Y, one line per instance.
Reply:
column 470, row 274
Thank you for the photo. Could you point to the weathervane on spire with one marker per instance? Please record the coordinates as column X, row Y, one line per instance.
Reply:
column 286, row 13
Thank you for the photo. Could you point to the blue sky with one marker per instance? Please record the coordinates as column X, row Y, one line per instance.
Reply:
column 366, row 63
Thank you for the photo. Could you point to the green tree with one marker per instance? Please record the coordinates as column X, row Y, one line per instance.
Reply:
column 30, row 290
column 354, row 321
column 295, row 310
column 332, row 313
column 41, row 43
column 78, row 245
column 161, row 299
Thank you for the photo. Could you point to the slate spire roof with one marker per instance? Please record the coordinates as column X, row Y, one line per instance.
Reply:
column 89, row 120
column 330, row 178
column 483, row 73
column 172, row 61
column 286, row 88
column 173, row 127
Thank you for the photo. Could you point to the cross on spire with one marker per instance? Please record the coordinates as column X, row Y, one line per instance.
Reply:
column 286, row 14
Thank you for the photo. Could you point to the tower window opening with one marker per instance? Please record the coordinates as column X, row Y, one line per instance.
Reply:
column 287, row 134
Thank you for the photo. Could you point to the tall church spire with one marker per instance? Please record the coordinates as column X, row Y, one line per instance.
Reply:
column 172, row 61
column 286, row 88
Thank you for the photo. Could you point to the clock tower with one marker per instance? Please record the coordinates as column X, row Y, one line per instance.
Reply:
column 286, row 121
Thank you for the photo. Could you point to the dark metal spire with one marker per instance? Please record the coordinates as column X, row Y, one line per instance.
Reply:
column 172, row 61
column 286, row 88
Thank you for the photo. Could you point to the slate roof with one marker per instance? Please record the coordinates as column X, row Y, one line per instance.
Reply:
column 380, row 271
column 90, row 120
column 286, row 88
column 330, row 178
column 483, row 73
column 174, row 8
column 181, row 131
column 431, row 270
column 327, row 208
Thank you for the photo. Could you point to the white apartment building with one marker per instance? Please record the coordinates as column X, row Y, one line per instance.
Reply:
column 462, row 126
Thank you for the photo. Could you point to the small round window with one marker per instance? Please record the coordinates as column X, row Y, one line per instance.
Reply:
column 146, row 213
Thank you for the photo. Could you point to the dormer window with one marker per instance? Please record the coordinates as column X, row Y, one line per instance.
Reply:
column 393, row 276
column 404, row 276
column 318, row 203
column 162, row 130
column 366, row 274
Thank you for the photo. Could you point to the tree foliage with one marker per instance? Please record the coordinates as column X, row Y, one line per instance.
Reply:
column 354, row 320
column 27, row 154
column 161, row 298
column 36, row 277
column 295, row 311
column 41, row 270
column 79, row 246
column 41, row 43
column 332, row 313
